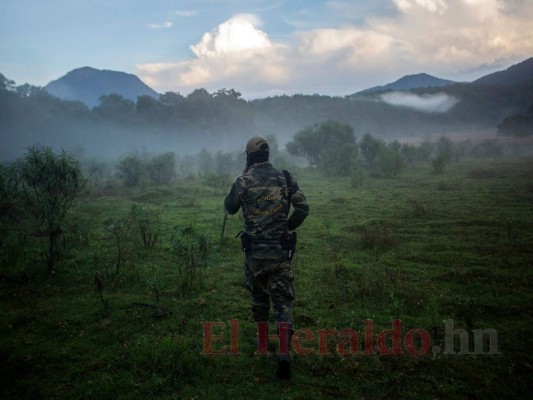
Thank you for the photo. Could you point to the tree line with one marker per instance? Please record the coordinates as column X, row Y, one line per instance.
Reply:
column 31, row 114
column 332, row 147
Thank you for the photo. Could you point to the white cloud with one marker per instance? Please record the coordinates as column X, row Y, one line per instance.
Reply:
column 440, row 37
column 431, row 103
column 185, row 13
column 233, row 53
column 164, row 25
column 235, row 35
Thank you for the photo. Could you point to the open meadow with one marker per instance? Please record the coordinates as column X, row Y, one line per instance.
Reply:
column 143, row 269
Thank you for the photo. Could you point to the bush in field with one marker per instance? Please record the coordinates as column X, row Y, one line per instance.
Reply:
column 462, row 149
column 369, row 148
column 131, row 169
column 191, row 248
column 98, row 172
column 50, row 184
column 149, row 225
column 162, row 169
column 409, row 152
column 119, row 228
column 356, row 177
column 331, row 146
column 390, row 161
column 438, row 164
column 383, row 159
column 443, row 156
column 205, row 161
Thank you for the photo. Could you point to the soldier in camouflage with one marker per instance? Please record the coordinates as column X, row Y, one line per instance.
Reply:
column 265, row 195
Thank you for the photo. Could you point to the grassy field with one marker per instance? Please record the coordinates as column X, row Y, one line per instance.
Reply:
column 420, row 248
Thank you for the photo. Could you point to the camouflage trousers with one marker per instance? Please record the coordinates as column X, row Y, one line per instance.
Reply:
column 269, row 280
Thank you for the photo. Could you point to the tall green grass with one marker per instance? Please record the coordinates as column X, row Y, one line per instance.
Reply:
column 418, row 247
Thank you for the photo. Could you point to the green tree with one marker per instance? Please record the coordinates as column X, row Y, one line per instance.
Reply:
column 6, row 84
column 390, row 161
column 206, row 162
column 115, row 107
column 199, row 96
column 369, row 150
column 171, row 99
column 131, row 169
column 28, row 90
column 331, row 146
column 162, row 168
column 151, row 110
column 50, row 183
column 305, row 144
column 443, row 155
column 9, row 188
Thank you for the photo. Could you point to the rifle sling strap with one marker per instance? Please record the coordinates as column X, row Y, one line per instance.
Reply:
column 288, row 180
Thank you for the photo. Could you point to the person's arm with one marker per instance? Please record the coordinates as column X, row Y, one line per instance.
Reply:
column 301, row 208
column 232, row 202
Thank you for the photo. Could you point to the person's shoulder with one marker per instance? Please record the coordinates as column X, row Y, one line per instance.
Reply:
column 245, row 179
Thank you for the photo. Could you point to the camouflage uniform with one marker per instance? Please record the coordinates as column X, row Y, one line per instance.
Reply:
column 263, row 194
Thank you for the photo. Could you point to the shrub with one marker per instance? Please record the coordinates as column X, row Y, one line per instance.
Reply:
column 439, row 163
column 191, row 248
column 119, row 229
column 149, row 225
column 162, row 169
column 389, row 161
column 50, row 182
column 444, row 154
column 131, row 169
column 331, row 146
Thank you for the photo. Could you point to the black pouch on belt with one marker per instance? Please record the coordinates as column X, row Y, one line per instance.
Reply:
column 246, row 241
column 288, row 242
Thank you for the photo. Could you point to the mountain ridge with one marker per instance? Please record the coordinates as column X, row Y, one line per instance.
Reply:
column 516, row 73
column 408, row 82
column 87, row 84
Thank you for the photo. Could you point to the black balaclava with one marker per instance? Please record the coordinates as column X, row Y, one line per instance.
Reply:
column 259, row 156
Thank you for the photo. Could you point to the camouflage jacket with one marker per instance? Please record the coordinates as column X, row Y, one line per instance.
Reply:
column 263, row 194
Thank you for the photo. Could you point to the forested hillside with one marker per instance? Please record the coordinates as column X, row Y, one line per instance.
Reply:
column 223, row 118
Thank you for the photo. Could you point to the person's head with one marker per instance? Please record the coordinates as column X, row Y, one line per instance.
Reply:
column 257, row 150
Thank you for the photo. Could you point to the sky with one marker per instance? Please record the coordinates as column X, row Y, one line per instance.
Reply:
column 264, row 47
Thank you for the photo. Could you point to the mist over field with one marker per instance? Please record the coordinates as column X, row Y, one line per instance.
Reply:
column 223, row 120
column 122, row 277
column 402, row 136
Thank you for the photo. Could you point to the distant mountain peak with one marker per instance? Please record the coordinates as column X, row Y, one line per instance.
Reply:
column 87, row 84
column 516, row 73
column 408, row 82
